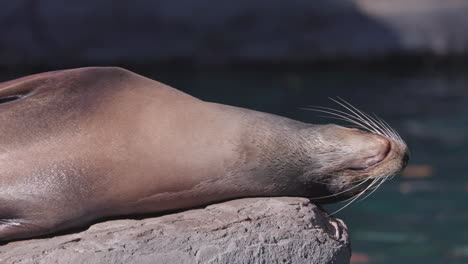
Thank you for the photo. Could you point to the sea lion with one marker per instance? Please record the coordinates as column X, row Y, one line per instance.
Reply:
column 84, row 144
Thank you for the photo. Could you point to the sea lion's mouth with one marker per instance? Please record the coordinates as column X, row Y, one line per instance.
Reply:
column 374, row 160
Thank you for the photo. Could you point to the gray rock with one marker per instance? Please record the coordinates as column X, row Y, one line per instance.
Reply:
column 254, row 230
column 223, row 31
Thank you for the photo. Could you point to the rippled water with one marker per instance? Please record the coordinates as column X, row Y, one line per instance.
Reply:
column 419, row 218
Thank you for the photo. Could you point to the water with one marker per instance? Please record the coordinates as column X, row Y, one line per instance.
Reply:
column 408, row 220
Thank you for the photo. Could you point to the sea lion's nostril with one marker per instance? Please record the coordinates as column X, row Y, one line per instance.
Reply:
column 405, row 159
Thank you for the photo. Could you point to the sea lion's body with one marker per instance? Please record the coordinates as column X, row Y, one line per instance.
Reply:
column 83, row 144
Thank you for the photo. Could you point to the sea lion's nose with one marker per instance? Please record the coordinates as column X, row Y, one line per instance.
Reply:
column 405, row 159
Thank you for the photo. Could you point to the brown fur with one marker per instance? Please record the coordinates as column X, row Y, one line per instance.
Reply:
column 88, row 143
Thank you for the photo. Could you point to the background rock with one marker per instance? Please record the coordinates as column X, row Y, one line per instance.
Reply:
column 256, row 230
column 53, row 32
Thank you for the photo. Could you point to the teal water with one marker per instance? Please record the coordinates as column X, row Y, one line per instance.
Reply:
column 420, row 220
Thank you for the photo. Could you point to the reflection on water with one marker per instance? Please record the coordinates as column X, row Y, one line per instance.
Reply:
column 420, row 217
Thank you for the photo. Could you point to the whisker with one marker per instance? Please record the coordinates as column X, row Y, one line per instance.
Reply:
column 356, row 112
column 344, row 118
column 366, row 189
column 356, row 197
column 363, row 115
column 328, row 183
column 398, row 137
column 382, row 124
column 375, row 188
column 357, row 119
column 390, row 132
column 338, row 193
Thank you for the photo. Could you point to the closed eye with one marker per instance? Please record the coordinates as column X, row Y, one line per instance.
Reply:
column 10, row 98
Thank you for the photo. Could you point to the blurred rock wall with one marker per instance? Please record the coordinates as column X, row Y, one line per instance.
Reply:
column 52, row 32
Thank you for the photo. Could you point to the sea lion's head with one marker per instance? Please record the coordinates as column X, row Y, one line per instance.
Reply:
column 351, row 162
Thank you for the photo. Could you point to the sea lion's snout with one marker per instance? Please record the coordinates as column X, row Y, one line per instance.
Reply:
column 377, row 150
column 355, row 160
column 358, row 159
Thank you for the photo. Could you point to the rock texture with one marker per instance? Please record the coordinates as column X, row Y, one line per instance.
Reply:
column 54, row 32
column 256, row 230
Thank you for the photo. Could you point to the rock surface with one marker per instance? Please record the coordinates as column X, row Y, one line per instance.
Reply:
column 253, row 230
